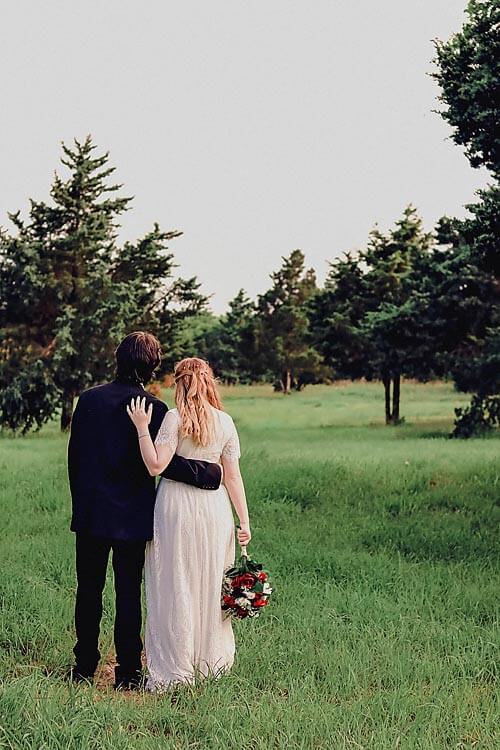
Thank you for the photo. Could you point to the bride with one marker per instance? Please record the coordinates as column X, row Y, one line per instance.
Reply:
column 187, row 635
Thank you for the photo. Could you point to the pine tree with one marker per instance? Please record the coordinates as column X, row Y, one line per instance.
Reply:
column 228, row 342
column 282, row 325
column 370, row 319
column 335, row 315
column 468, row 72
column 69, row 292
column 393, row 322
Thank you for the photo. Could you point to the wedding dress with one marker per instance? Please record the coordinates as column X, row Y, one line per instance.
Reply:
column 187, row 634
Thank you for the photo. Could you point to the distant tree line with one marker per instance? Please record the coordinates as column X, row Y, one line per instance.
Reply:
column 411, row 304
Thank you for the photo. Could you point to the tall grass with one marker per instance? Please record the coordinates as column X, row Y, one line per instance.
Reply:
column 383, row 543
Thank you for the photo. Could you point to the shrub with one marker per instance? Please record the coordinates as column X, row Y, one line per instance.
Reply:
column 480, row 417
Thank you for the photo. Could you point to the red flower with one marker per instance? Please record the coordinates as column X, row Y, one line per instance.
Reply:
column 229, row 600
column 245, row 579
column 260, row 602
column 262, row 576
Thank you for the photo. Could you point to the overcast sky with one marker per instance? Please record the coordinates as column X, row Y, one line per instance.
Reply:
column 255, row 127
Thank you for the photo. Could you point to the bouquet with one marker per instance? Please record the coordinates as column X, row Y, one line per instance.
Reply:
column 245, row 588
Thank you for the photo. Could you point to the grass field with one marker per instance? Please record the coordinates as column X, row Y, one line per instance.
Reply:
column 383, row 544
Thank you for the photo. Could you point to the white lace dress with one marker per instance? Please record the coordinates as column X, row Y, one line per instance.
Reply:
column 186, row 633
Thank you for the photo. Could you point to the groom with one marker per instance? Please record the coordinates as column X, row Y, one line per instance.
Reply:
column 113, row 502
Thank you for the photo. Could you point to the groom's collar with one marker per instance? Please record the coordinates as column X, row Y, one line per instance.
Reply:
column 129, row 382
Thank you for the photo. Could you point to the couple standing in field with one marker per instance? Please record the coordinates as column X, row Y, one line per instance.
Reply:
column 182, row 533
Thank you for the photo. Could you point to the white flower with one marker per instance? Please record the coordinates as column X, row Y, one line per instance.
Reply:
column 266, row 589
column 250, row 594
column 242, row 602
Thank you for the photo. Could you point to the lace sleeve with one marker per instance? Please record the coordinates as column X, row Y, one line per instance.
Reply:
column 168, row 434
column 231, row 449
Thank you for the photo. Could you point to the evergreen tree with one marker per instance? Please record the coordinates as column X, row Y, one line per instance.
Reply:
column 370, row 320
column 69, row 293
column 229, row 343
column 468, row 71
column 283, row 347
column 393, row 323
column 335, row 315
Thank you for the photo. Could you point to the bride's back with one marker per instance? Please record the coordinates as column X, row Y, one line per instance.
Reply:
column 223, row 439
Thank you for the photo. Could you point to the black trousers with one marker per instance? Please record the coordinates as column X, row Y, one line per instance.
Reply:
column 92, row 555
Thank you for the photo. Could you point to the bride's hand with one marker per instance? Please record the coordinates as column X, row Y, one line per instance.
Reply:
column 138, row 413
column 244, row 534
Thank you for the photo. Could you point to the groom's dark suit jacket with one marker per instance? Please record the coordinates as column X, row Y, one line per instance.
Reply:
column 112, row 492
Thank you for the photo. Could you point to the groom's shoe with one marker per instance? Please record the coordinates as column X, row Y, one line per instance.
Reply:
column 77, row 677
column 134, row 681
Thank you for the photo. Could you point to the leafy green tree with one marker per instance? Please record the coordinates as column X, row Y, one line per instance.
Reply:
column 282, row 327
column 69, row 293
column 467, row 297
column 370, row 320
column 239, row 325
column 159, row 302
column 468, row 71
column 335, row 315
column 228, row 343
column 394, row 324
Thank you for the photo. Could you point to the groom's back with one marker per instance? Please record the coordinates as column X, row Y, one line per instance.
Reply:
column 112, row 492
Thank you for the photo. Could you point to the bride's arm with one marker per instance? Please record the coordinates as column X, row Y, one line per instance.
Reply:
column 156, row 457
column 236, row 489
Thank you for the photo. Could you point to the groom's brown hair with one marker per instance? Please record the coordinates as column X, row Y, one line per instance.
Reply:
column 137, row 357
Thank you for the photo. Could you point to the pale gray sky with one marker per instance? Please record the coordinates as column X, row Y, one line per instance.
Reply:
column 255, row 126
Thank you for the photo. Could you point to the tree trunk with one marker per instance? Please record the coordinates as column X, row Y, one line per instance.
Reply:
column 286, row 381
column 387, row 391
column 395, row 399
column 67, row 410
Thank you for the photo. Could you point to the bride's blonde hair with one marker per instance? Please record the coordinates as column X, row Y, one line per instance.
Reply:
column 195, row 392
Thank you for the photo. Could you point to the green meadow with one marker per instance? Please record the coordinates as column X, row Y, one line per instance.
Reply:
column 383, row 547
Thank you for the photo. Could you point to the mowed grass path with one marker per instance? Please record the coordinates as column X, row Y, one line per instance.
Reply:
column 383, row 544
